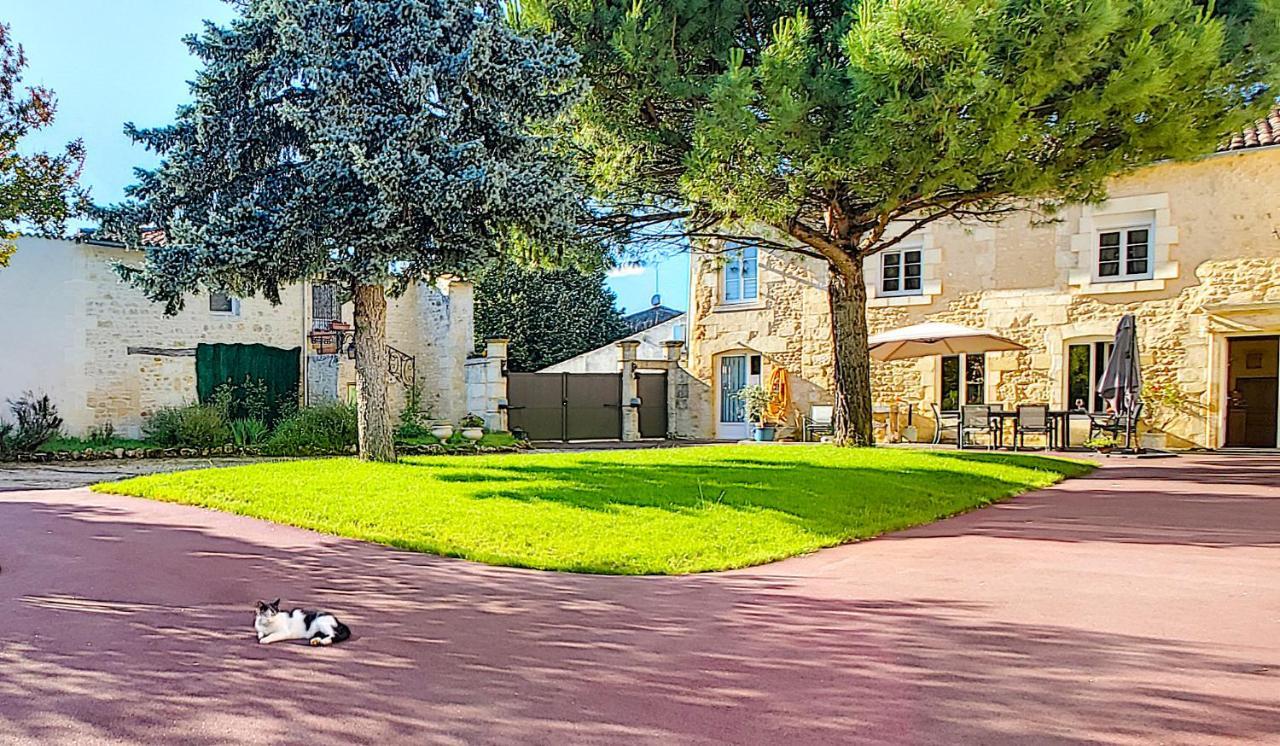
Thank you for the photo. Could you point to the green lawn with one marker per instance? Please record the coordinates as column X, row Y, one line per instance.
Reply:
column 676, row 510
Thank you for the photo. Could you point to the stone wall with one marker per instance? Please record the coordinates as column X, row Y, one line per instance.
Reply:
column 1216, row 274
column 70, row 324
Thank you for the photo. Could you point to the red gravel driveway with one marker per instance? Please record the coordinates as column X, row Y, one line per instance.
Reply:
column 1138, row 605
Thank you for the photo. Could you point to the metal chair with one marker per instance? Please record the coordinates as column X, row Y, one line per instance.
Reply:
column 944, row 422
column 976, row 418
column 818, row 421
column 1116, row 425
column 1033, row 418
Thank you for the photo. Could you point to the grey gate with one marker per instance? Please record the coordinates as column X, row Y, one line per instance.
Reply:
column 565, row 406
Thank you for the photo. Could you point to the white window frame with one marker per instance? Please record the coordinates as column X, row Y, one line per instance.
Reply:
column 738, row 254
column 901, row 254
column 235, row 305
column 1124, row 228
column 964, row 379
column 1095, row 366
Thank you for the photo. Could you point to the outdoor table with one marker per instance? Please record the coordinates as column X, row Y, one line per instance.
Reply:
column 1061, row 416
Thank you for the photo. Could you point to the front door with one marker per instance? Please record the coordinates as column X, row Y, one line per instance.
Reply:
column 736, row 373
column 1253, row 392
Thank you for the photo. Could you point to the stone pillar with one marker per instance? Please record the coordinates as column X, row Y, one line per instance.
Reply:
column 627, row 349
column 487, row 385
column 677, row 405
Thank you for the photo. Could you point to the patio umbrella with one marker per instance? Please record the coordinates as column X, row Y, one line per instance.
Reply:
column 923, row 340
column 1121, row 383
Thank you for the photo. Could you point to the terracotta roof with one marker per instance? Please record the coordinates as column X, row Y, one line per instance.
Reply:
column 146, row 237
column 1262, row 133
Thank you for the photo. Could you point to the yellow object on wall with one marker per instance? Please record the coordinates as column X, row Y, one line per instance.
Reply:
column 779, row 396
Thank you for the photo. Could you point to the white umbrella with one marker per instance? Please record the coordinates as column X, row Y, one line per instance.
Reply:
column 923, row 340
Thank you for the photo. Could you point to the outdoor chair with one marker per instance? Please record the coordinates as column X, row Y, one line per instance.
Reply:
column 1033, row 418
column 818, row 421
column 976, row 418
column 943, row 422
column 1116, row 425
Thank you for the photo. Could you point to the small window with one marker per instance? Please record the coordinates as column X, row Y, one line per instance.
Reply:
column 1124, row 254
column 677, row 333
column 222, row 303
column 741, row 275
column 972, row 390
column 901, row 272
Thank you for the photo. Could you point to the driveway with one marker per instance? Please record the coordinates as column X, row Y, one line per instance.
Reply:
column 1138, row 605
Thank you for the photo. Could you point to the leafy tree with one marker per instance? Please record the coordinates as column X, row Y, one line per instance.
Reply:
column 549, row 315
column 368, row 143
column 38, row 190
column 835, row 129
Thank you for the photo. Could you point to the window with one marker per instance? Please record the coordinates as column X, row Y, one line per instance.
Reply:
column 222, row 303
column 1085, row 363
column 1124, row 254
column 324, row 305
column 741, row 273
column 974, row 388
column 900, row 272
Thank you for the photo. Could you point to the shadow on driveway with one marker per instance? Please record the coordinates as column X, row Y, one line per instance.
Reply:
column 131, row 620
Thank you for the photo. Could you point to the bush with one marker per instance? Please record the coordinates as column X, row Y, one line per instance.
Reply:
column 330, row 428
column 190, row 426
column 36, row 421
column 249, row 432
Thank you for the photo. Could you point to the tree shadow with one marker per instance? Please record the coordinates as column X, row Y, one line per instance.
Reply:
column 1199, row 501
column 130, row 620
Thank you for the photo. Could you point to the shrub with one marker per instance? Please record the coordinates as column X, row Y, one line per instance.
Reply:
column 329, row 428
column 414, row 423
column 190, row 426
column 101, row 435
column 471, row 420
column 36, row 421
column 249, row 432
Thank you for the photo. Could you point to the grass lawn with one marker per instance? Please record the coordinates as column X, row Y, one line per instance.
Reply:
column 674, row 510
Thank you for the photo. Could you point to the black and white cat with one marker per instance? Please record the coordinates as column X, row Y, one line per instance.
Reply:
column 317, row 627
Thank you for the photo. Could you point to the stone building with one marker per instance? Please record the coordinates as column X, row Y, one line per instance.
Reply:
column 106, row 355
column 1191, row 248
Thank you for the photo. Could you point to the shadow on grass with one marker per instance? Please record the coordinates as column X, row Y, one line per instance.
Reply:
column 822, row 499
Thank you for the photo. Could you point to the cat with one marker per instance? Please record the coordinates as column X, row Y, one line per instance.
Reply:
column 317, row 627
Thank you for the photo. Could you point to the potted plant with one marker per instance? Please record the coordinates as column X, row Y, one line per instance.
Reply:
column 442, row 431
column 756, row 400
column 472, row 427
column 1104, row 443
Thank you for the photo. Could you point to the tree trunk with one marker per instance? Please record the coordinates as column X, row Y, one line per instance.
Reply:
column 376, row 436
column 851, row 419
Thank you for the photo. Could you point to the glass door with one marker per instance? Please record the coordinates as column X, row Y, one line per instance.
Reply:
column 736, row 373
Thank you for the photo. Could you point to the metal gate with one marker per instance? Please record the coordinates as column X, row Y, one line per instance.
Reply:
column 652, row 390
column 566, row 406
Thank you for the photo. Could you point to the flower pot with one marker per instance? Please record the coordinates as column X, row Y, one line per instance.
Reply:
column 442, row 432
column 473, row 433
column 764, row 433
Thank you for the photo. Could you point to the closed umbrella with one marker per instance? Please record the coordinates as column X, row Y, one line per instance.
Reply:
column 934, row 338
column 1121, row 384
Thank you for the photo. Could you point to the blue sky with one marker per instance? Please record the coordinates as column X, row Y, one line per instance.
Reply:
column 115, row 62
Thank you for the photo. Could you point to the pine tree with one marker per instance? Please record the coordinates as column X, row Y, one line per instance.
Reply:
column 368, row 143
column 836, row 129
column 550, row 315
column 37, row 191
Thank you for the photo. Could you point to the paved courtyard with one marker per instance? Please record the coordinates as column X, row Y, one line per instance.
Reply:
column 1138, row 605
